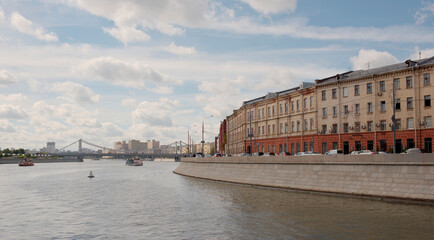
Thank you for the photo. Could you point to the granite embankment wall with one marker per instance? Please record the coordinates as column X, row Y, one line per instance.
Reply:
column 408, row 178
column 40, row 160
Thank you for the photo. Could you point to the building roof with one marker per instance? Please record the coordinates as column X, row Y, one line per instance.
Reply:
column 380, row 70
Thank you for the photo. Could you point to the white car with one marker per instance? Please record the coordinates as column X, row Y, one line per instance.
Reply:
column 334, row 152
column 366, row 152
column 412, row 151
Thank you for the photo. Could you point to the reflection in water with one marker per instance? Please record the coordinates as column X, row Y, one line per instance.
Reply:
column 58, row 201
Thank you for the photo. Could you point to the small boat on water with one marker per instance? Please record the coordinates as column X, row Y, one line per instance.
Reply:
column 136, row 161
column 91, row 175
column 26, row 162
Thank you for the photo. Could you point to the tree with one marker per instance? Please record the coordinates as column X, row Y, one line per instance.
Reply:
column 21, row 151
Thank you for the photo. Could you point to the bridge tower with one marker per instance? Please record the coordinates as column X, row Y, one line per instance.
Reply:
column 80, row 142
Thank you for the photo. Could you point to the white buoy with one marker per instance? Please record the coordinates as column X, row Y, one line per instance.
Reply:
column 91, row 175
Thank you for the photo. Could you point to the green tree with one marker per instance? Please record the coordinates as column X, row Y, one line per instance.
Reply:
column 1, row 155
column 21, row 151
column 6, row 151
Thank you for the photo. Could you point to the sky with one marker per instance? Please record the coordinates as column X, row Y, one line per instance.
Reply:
column 112, row 70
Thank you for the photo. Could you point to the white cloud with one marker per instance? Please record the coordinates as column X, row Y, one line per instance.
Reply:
column 75, row 92
column 129, row 102
column 127, row 34
column 6, row 126
column 163, row 90
column 422, row 14
column 372, row 59
column 224, row 87
column 6, row 78
column 155, row 113
column 2, row 15
column 132, row 18
column 123, row 73
column 8, row 111
column 179, row 50
column 26, row 26
column 13, row 98
column 272, row 6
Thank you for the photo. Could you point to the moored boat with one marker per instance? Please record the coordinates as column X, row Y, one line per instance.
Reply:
column 136, row 161
column 26, row 162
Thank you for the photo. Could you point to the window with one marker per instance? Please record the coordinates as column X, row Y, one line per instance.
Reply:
column 334, row 128
column 427, row 100
column 259, row 113
column 426, row 79
column 292, row 148
column 335, row 111
column 383, row 125
column 357, row 108
column 311, row 101
column 345, row 127
column 292, row 106
column 370, row 145
column 298, row 147
column 356, row 90
column 286, row 127
column 324, row 147
column 397, row 85
column 382, row 86
column 323, row 95
column 274, row 128
column 346, row 111
column 357, row 126
column 263, row 131
column 409, row 82
column 311, row 146
column 345, row 91
column 369, row 126
column 398, row 104
column 281, row 127
column 324, row 112
column 259, row 130
column 324, row 128
column 382, row 106
column 311, row 124
column 427, row 122
column 298, row 105
column 298, row 126
column 369, row 107
column 335, row 145
column 269, row 111
column 263, row 112
column 410, row 124
column 306, row 125
column 292, row 126
column 398, row 124
column 305, row 103
column 369, row 88
column 409, row 103
column 269, row 129
column 305, row 146
column 334, row 95
column 281, row 109
column 410, row 143
column 273, row 110
column 286, row 107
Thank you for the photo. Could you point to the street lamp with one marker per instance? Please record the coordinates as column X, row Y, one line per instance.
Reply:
column 203, row 139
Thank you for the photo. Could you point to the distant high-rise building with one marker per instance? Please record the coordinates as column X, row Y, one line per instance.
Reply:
column 51, row 147
column 153, row 144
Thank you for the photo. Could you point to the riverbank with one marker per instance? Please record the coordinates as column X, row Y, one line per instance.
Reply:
column 40, row 160
column 403, row 178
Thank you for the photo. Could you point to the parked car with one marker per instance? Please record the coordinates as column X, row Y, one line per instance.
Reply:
column 268, row 154
column 300, row 154
column 312, row 153
column 217, row 155
column 382, row 152
column 257, row 154
column 334, row 152
column 366, row 152
column 355, row 152
column 244, row 155
column 412, row 151
column 285, row 154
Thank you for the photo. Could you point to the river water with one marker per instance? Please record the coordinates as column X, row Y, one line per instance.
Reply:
column 58, row 201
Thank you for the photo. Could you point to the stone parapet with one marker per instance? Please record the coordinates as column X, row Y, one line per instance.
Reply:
column 401, row 177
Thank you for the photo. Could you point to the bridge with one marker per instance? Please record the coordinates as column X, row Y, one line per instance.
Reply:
column 111, row 153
